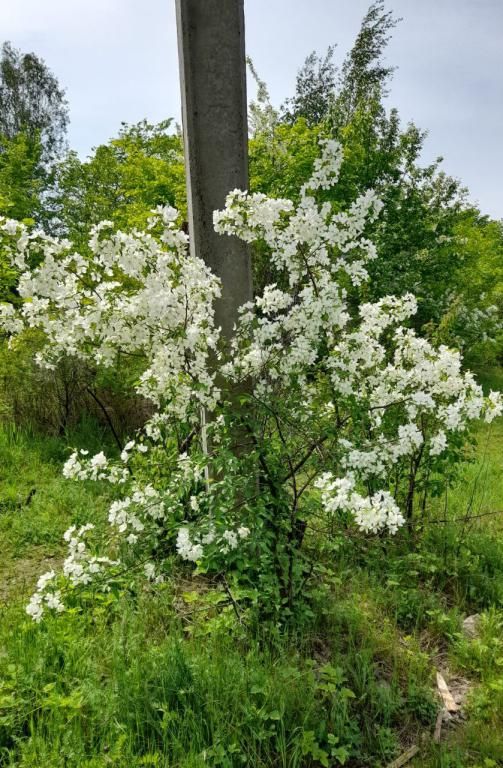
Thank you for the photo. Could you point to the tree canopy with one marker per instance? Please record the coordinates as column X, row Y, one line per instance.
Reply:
column 32, row 101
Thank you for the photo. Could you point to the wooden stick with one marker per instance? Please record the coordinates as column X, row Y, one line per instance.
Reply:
column 438, row 726
column 446, row 695
column 405, row 758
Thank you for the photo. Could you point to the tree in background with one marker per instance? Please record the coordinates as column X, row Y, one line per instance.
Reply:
column 32, row 101
column 33, row 123
column 122, row 181
column 430, row 239
column 364, row 74
column 20, row 181
column 314, row 89
column 20, row 188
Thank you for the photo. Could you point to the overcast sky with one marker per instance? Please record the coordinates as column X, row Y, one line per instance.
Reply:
column 117, row 60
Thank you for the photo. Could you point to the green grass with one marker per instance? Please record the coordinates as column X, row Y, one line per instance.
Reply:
column 161, row 676
column 37, row 504
column 126, row 684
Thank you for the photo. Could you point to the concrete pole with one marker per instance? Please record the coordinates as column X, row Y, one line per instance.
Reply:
column 211, row 49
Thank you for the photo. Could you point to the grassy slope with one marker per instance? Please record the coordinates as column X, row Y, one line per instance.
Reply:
column 37, row 505
column 167, row 679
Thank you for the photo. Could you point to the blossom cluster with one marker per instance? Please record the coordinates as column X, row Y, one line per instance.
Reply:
column 80, row 567
column 45, row 596
column 193, row 549
column 135, row 294
column 375, row 513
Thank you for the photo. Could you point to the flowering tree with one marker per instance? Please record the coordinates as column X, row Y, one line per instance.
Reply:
column 346, row 412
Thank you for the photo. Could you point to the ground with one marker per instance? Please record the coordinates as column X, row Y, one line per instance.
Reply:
column 172, row 676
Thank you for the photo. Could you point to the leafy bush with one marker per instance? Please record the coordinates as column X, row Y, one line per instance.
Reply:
column 347, row 414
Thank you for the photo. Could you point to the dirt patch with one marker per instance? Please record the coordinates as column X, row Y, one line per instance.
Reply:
column 18, row 577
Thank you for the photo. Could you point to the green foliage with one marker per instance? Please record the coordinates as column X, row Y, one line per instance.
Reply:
column 364, row 74
column 430, row 240
column 477, row 306
column 314, row 90
column 33, row 121
column 20, row 178
column 121, row 182
column 35, row 502
column 123, row 681
column 29, row 395
column 31, row 101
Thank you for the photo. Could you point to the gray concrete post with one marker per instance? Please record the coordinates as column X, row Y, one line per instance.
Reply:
column 211, row 49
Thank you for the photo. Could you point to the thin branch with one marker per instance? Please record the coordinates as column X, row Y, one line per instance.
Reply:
column 107, row 416
column 231, row 598
column 467, row 518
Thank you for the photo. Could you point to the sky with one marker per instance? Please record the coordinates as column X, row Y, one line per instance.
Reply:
column 117, row 60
